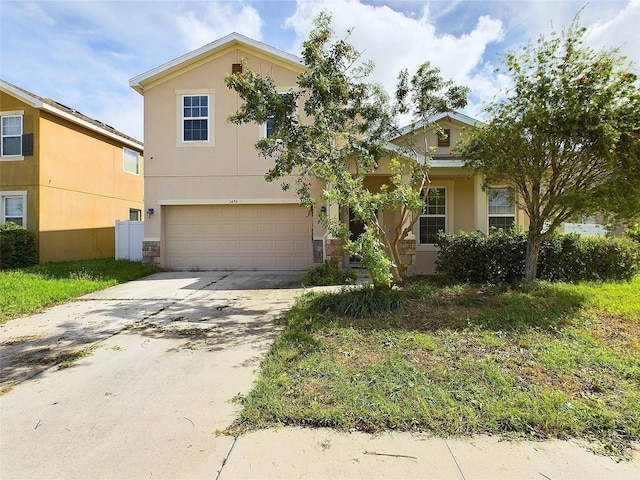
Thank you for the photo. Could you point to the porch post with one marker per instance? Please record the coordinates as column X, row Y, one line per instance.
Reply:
column 480, row 205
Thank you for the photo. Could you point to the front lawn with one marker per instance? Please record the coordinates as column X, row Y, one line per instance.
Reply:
column 542, row 360
column 28, row 290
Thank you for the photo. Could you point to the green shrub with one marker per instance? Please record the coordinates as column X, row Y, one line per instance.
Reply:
column 18, row 247
column 633, row 232
column 500, row 257
column 479, row 258
column 328, row 274
column 361, row 302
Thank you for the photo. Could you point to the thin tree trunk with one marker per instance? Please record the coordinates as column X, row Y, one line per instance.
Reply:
column 534, row 241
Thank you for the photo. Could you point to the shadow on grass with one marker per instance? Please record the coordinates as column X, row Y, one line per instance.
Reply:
column 429, row 305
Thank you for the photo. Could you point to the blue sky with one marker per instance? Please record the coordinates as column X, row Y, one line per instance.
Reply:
column 83, row 53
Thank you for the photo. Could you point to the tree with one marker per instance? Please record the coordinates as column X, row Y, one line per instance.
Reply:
column 343, row 137
column 565, row 137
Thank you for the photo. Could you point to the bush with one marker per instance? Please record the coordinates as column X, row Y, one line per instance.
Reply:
column 500, row 257
column 633, row 232
column 479, row 258
column 362, row 302
column 18, row 247
column 328, row 274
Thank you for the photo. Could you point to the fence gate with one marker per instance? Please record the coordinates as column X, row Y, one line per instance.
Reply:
column 129, row 236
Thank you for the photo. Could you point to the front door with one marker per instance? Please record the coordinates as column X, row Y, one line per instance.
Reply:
column 356, row 229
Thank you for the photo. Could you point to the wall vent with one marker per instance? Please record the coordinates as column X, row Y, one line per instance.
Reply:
column 236, row 68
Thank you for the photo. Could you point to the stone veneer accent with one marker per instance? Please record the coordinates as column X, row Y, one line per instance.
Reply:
column 334, row 251
column 317, row 251
column 151, row 253
column 408, row 252
column 335, row 254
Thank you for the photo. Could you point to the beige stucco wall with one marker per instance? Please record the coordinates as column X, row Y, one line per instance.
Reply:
column 225, row 170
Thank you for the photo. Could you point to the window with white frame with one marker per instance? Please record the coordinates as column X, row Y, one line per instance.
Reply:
column 195, row 118
column 502, row 208
column 434, row 215
column 13, row 207
column 130, row 161
column 11, row 127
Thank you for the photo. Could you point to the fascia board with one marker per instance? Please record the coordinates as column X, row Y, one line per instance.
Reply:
column 34, row 102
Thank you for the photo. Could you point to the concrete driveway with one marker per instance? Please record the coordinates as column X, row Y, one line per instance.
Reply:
column 152, row 367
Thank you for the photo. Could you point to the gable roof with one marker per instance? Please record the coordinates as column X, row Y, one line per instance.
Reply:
column 437, row 160
column 68, row 113
column 196, row 56
column 458, row 117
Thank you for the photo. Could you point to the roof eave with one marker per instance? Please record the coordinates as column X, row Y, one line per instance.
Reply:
column 138, row 82
column 11, row 90
column 78, row 121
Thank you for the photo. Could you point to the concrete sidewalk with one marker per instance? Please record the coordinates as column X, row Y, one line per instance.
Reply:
column 298, row 453
column 162, row 359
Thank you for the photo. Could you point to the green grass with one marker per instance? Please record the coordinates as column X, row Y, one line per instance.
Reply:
column 542, row 360
column 30, row 289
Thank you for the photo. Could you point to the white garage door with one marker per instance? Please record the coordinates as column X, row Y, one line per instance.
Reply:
column 244, row 237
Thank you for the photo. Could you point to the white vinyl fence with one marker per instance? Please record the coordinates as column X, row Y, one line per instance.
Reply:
column 586, row 229
column 129, row 235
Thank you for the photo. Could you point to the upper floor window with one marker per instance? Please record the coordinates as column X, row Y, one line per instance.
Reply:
column 130, row 161
column 434, row 215
column 502, row 208
column 195, row 118
column 11, row 135
column 270, row 125
column 13, row 208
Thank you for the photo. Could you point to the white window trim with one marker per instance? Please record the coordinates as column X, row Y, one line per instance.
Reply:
column 496, row 215
column 448, row 185
column 124, row 169
column 180, row 94
column 18, row 193
column 12, row 113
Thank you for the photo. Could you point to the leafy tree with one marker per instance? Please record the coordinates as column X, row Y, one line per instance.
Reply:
column 343, row 136
column 565, row 137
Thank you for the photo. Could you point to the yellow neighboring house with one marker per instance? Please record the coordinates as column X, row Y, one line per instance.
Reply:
column 66, row 177
column 205, row 182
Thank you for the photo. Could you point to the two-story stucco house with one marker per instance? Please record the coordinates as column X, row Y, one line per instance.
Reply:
column 204, row 182
column 65, row 177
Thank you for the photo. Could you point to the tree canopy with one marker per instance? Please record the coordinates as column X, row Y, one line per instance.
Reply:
column 342, row 136
column 565, row 137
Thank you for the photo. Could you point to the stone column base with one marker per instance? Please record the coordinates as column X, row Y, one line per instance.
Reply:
column 151, row 252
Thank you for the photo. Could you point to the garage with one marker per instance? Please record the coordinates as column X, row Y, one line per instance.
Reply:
column 238, row 237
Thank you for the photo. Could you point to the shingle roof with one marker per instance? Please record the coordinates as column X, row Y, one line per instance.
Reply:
column 69, row 113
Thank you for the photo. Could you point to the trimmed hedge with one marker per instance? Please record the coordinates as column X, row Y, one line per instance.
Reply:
column 500, row 257
column 18, row 247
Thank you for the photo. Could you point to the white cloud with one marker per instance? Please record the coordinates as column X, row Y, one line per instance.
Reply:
column 199, row 28
column 83, row 53
column 621, row 31
column 395, row 41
